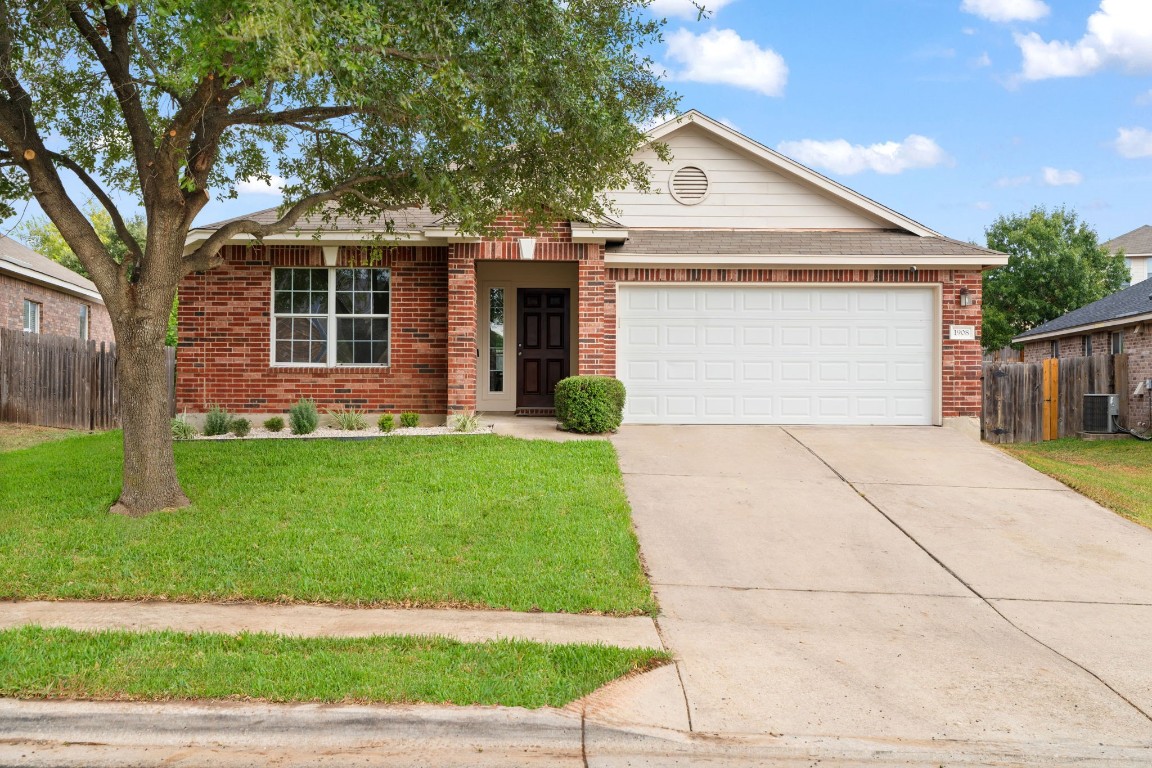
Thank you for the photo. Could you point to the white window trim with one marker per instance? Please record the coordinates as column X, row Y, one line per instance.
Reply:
column 331, row 317
column 37, row 309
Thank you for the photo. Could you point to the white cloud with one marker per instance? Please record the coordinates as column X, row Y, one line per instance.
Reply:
column 1012, row 181
column 1006, row 10
column 1052, row 177
column 982, row 205
column 255, row 186
column 1134, row 142
column 685, row 9
column 1118, row 35
column 983, row 60
column 722, row 56
column 1144, row 99
column 890, row 157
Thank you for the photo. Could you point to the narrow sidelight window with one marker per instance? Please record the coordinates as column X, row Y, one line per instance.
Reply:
column 496, row 340
column 1117, row 342
column 83, row 322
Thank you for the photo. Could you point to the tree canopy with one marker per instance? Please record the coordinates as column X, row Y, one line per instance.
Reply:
column 470, row 107
column 1055, row 265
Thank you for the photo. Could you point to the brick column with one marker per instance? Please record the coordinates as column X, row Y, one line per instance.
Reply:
column 961, row 366
column 461, row 327
column 596, row 316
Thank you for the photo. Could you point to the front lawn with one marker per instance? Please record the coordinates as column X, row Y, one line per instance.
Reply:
column 455, row 521
column 1115, row 473
column 62, row 663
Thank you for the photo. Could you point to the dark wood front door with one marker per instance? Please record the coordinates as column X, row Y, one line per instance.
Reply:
column 541, row 345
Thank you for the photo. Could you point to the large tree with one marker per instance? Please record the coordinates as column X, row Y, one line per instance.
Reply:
column 1055, row 265
column 471, row 107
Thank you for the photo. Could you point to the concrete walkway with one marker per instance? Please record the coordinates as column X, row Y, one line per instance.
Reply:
column 331, row 621
column 905, row 585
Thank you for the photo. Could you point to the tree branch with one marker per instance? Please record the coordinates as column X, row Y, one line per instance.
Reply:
column 115, row 60
column 298, row 115
column 98, row 192
column 207, row 255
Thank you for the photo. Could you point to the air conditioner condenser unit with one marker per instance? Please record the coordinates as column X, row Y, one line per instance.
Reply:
column 1100, row 412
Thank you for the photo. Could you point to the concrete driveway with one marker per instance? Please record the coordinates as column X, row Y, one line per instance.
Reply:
column 901, row 585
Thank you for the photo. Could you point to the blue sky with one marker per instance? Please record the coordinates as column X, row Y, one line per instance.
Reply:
column 951, row 112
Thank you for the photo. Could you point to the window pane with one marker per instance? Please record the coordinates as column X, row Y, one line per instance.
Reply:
column 380, row 303
column 283, row 303
column 300, row 303
column 381, row 279
column 343, row 279
column 283, row 280
column 496, row 340
column 283, row 351
column 343, row 303
column 362, row 303
column 319, row 279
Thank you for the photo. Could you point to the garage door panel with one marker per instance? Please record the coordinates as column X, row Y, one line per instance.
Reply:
column 777, row 355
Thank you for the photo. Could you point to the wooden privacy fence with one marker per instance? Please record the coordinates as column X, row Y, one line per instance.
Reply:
column 52, row 381
column 1031, row 402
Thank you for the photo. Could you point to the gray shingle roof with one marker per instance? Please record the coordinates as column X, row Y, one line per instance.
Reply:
column 414, row 219
column 21, row 255
column 790, row 242
column 1132, row 301
column 1138, row 240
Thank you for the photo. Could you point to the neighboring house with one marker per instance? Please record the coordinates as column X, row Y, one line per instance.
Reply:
column 39, row 295
column 1137, row 247
column 751, row 290
column 1118, row 323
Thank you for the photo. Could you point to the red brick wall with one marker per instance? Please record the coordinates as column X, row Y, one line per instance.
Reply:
column 225, row 332
column 960, row 360
column 59, row 312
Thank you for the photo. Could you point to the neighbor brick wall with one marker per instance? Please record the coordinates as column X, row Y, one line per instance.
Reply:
column 59, row 313
column 225, row 331
column 960, row 361
column 1138, row 346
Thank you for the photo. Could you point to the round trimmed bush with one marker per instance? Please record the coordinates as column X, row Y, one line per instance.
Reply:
column 590, row 404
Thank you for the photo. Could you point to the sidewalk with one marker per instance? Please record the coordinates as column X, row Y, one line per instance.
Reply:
column 331, row 621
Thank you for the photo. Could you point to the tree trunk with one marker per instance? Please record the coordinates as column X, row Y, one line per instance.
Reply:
column 150, row 482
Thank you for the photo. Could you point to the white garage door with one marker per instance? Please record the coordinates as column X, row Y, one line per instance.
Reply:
column 777, row 355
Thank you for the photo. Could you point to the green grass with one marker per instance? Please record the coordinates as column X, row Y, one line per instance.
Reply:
column 1115, row 473
column 463, row 521
column 62, row 663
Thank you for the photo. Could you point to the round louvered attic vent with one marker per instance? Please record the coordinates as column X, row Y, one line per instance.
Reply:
column 689, row 185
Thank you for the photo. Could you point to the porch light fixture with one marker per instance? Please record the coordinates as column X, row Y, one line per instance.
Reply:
column 965, row 297
column 527, row 248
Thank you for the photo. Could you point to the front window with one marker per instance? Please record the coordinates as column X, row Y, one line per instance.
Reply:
column 31, row 316
column 331, row 317
column 1118, row 343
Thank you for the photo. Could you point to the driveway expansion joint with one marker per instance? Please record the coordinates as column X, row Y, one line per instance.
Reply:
column 861, row 592
column 987, row 601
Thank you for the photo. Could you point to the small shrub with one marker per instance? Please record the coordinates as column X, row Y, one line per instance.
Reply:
column 240, row 427
column 348, row 418
column 274, row 424
column 590, row 404
column 409, row 419
column 182, row 429
column 465, row 422
column 217, row 421
column 386, row 422
column 303, row 418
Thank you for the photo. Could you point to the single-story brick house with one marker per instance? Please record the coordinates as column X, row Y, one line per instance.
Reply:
column 39, row 295
column 1137, row 247
column 751, row 290
column 1118, row 323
